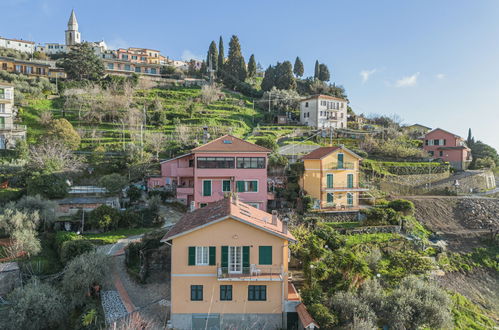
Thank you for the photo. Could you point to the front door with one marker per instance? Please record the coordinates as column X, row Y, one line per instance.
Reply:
column 235, row 259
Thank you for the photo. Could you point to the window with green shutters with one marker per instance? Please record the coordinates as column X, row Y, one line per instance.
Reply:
column 226, row 185
column 350, row 181
column 330, row 198
column 213, row 256
column 202, row 256
column 350, row 199
column 265, row 255
column 196, row 292
column 225, row 256
column 207, row 188
column 246, row 257
column 247, row 186
column 257, row 292
column 192, row 256
column 225, row 292
column 340, row 160
column 329, row 178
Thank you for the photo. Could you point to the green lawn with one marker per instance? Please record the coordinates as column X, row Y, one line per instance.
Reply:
column 114, row 236
column 352, row 240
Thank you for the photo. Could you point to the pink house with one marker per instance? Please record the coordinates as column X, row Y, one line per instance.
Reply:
column 209, row 172
column 448, row 147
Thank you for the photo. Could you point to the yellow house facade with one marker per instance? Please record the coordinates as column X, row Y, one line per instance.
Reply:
column 331, row 177
column 229, row 268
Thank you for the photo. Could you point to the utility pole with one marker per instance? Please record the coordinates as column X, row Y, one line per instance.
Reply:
column 269, row 100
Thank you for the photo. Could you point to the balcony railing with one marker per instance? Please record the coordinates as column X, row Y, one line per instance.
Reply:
column 342, row 166
column 4, row 97
column 12, row 127
column 252, row 273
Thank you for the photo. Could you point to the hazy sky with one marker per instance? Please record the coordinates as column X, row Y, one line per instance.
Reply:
column 428, row 61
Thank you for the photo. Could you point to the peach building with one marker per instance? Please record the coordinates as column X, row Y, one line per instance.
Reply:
column 449, row 147
column 215, row 169
column 229, row 269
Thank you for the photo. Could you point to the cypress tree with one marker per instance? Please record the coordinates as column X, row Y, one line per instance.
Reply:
column 221, row 57
column 298, row 68
column 316, row 70
column 268, row 79
column 470, row 140
column 235, row 68
column 212, row 57
column 323, row 73
column 252, row 66
column 284, row 76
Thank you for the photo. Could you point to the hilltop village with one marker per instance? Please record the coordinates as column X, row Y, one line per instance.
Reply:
column 142, row 192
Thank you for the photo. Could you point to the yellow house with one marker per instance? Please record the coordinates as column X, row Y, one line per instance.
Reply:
column 331, row 177
column 229, row 268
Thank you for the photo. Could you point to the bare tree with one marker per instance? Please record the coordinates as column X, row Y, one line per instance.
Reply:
column 210, row 93
column 183, row 135
column 53, row 156
column 46, row 118
column 155, row 142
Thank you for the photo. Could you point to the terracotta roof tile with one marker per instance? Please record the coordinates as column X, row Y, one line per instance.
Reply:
column 227, row 208
column 322, row 96
column 320, row 152
column 305, row 318
column 229, row 143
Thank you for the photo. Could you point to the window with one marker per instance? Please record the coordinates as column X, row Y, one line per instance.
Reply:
column 202, row 204
column 431, row 152
column 330, row 198
column 196, row 292
column 153, row 71
column 247, row 186
column 215, row 162
column 306, row 104
column 265, row 255
column 440, row 153
column 29, row 70
column 321, row 113
column 250, row 162
column 340, row 160
column 110, row 66
column 2, row 107
column 191, row 162
column 226, row 292
column 329, row 179
column 127, row 67
column 349, row 180
column 257, row 292
column 226, row 186
column 201, row 256
column 350, row 199
column 436, row 142
column 18, row 68
column 134, row 57
column 206, row 187
column 426, row 142
column 124, row 57
column 137, row 69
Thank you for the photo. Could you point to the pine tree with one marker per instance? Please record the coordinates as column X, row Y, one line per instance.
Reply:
column 323, row 73
column 252, row 66
column 316, row 70
column 81, row 63
column 284, row 76
column 298, row 68
column 221, row 57
column 212, row 57
column 268, row 79
column 235, row 68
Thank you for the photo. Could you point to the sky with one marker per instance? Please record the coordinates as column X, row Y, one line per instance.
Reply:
column 430, row 62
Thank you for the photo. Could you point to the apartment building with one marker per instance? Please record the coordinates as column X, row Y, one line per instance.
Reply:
column 215, row 169
column 229, row 268
column 449, row 147
column 10, row 133
column 324, row 111
column 17, row 44
column 30, row 68
column 331, row 177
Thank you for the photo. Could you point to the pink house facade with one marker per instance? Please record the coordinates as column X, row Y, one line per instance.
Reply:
column 448, row 147
column 211, row 171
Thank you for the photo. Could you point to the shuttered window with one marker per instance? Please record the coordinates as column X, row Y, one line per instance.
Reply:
column 340, row 160
column 226, row 185
column 225, row 256
column 247, row 186
column 330, row 198
column 265, row 255
column 207, row 188
column 329, row 179
column 350, row 199
column 226, row 292
column 246, row 256
column 192, row 256
column 213, row 256
column 350, row 181
column 257, row 292
column 196, row 292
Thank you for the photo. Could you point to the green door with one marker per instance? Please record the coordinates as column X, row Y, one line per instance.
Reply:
column 340, row 160
column 329, row 178
column 350, row 181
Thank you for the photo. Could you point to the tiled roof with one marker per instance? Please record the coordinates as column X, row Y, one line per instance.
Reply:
column 439, row 129
column 322, row 96
column 229, row 143
column 320, row 152
column 305, row 318
column 224, row 208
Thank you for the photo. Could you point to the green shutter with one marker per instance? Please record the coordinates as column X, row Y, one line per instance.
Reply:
column 265, row 255
column 240, row 186
column 207, row 188
column 192, row 255
column 340, row 160
column 329, row 180
column 350, row 180
column 256, row 185
column 213, row 251
column 225, row 256
column 225, row 185
column 330, row 198
column 246, row 256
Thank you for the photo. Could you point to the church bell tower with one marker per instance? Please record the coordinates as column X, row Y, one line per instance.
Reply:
column 73, row 36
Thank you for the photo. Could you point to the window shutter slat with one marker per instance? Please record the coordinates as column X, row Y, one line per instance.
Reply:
column 213, row 252
column 246, row 256
column 192, row 256
column 225, row 256
column 265, row 255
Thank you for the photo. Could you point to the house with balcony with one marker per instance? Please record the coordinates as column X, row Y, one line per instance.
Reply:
column 214, row 170
column 449, row 147
column 10, row 132
column 331, row 177
column 229, row 268
column 324, row 111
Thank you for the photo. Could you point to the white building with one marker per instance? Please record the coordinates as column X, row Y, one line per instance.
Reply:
column 324, row 111
column 10, row 133
column 20, row 45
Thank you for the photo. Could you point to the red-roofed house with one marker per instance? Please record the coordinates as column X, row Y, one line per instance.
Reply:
column 449, row 147
column 209, row 172
column 229, row 268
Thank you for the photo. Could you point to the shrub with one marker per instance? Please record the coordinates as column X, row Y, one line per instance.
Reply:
column 267, row 142
column 322, row 315
column 104, row 217
column 113, row 182
column 130, row 219
column 134, row 193
column 51, row 186
column 381, row 216
column 64, row 236
column 72, row 249
column 35, row 306
column 401, row 205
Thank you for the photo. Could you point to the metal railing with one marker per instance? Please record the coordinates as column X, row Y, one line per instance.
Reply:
column 12, row 127
column 343, row 166
column 251, row 273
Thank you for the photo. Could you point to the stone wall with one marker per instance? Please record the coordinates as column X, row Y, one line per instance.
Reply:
column 469, row 181
column 10, row 277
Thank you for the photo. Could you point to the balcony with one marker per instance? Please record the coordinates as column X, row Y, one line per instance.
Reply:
column 346, row 188
column 332, row 207
column 4, row 97
column 184, row 172
column 341, row 166
column 12, row 127
column 253, row 273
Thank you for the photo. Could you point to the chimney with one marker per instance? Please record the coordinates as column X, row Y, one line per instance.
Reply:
column 285, row 225
column 274, row 217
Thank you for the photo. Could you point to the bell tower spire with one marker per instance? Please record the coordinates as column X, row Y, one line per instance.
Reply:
column 73, row 36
